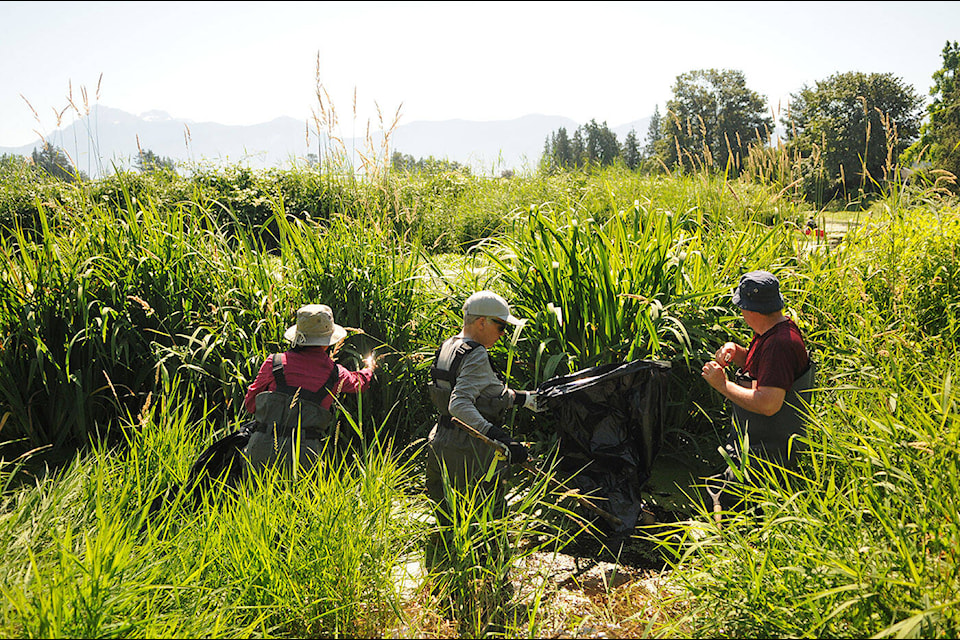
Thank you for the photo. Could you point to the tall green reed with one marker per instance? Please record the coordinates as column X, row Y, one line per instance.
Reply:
column 276, row 556
column 860, row 540
column 114, row 293
column 475, row 555
column 633, row 284
column 80, row 307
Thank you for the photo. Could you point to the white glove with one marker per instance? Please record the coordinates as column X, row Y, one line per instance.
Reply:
column 531, row 401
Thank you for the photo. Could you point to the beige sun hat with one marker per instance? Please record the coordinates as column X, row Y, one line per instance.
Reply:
column 315, row 327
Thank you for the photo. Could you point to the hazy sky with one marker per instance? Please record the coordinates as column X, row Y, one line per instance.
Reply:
column 250, row 62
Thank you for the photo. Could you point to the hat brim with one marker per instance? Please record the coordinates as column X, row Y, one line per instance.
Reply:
column 339, row 333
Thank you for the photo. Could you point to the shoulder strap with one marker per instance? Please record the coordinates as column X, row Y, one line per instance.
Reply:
column 312, row 396
column 278, row 372
column 332, row 380
column 450, row 375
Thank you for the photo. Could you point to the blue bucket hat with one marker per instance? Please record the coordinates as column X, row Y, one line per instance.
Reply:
column 758, row 291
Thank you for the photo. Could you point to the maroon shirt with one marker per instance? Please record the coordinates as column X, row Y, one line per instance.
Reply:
column 310, row 368
column 778, row 357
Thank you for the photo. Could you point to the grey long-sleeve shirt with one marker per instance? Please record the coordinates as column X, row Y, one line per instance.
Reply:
column 477, row 379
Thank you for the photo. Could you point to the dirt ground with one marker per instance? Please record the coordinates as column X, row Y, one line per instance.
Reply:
column 595, row 588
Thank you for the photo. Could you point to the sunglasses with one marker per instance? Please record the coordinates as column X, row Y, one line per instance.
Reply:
column 501, row 325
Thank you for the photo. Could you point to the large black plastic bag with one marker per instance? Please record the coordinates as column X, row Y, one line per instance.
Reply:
column 222, row 461
column 610, row 422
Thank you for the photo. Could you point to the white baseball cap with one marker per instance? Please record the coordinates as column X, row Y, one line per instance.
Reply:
column 487, row 303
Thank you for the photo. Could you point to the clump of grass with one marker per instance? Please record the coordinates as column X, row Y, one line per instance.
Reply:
column 276, row 556
column 474, row 555
column 109, row 302
column 859, row 541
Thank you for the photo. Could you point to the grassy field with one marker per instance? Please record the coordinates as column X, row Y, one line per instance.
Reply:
column 134, row 311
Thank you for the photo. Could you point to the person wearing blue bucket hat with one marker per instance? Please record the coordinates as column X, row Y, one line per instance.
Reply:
column 772, row 389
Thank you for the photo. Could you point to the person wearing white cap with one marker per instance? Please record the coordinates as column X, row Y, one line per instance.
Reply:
column 293, row 392
column 464, row 387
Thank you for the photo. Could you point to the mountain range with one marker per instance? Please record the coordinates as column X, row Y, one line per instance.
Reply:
column 108, row 138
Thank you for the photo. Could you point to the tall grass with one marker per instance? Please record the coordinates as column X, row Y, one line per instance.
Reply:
column 107, row 297
column 274, row 557
column 82, row 305
column 648, row 279
column 862, row 543
column 145, row 317
column 474, row 558
column 862, row 540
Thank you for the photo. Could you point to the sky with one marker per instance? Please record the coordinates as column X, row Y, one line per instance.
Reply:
column 243, row 63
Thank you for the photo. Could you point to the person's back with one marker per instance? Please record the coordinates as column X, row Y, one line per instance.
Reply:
column 293, row 393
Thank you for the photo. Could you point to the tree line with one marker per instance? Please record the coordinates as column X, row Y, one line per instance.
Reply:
column 841, row 136
column 406, row 162
column 50, row 160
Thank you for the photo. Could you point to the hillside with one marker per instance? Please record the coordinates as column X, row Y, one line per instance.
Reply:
column 114, row 136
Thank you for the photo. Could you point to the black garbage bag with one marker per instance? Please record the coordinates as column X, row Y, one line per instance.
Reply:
column 610, row 422
column 221, row 462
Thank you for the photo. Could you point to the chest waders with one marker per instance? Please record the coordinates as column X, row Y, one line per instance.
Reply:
column 766, row 438
column 451, row 452
column 769, row 436
column 447, row 361
column 289, row 418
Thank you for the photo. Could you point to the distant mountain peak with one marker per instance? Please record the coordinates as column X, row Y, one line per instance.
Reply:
column 488, row 147
column 155, row 116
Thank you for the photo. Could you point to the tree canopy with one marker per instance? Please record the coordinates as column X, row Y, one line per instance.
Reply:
column 406, row 162
column 654, row 133
column 630, row 151
column 148, row 162
column 712, row 120
column 592, row 143
column 939, row 142
column 857, row 125
column 54, row 161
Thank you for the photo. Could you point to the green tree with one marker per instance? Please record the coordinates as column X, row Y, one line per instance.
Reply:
column 54, row 162
column 592, row 143
column 858, row 124
column 631, row 151
column 602, row 146
column 578, row 148
column 148, row 162
column 401, row 161
column 557, row 150
column 712, row 120
column 654, row 134
column 939, row 141
column 429, row 165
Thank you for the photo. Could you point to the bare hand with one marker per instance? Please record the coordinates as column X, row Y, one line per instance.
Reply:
column 714, row 374
column 725, row 354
